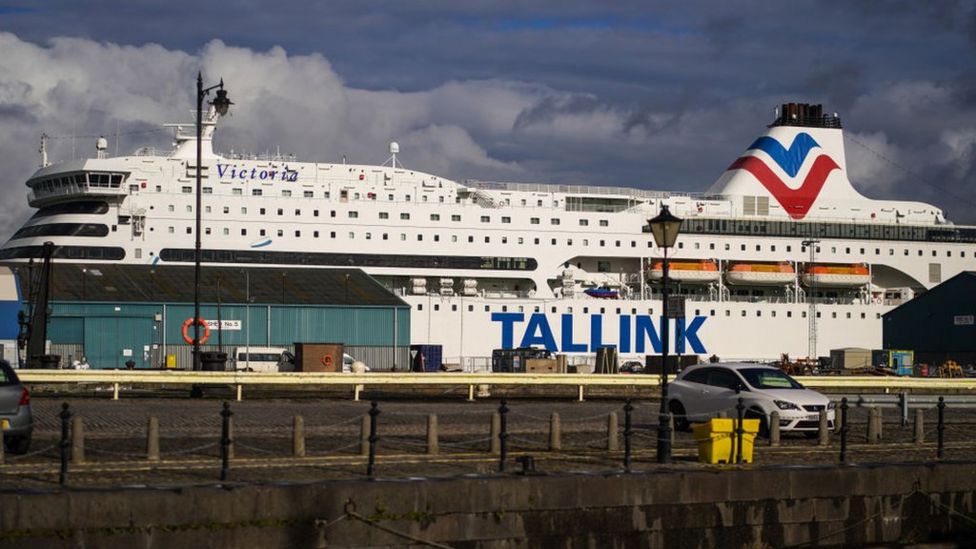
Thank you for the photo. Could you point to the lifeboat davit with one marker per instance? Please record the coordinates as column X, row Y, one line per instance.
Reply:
column 687, row 271
column 836, row 276
column 760, row 274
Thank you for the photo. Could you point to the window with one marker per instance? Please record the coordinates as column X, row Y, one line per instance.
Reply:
column 405, row 216
column 281, row 232
column 485, row 219
column 554, row 221
column 584, row 222
column 235, row 192
column 226, row 209
column 173, row 209
column 286, row 193
column 315, row 213
column 315, row 234
column 435, row 217
column 171, row 230
column 307, row 194
column 353, row 215
column 352, row 235
column 226, row 231
column 298, row 234
column 187, row 190
column 506, row 219
column 455, row 217
column 534, row 221
column 384, row 215
column 604, row 223
column 262, row 232
column 243, row 232
column 298, row 212
column 256, row 192
column 281, row 211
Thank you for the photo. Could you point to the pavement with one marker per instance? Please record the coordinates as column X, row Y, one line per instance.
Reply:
column 115, row 440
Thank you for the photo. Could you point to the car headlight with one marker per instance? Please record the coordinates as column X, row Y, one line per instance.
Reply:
column 784, row 405
column 831, row 405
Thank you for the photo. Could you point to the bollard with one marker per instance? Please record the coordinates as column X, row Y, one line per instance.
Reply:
column 903, row 406
column 838, row 418
column 774, row 428
column 555, row 433
column 502, row 435
column 843, row 430
column 298, row 436
column 824, row 432
column 364, row 436
column 740, row 410
column 230, row 437
column 628, row 432
column 612, row 443
column 433, row 444
column 65, row 443
column 152, row 439
column 225, row 441
column 940, row 429
column 77, row 440
column 494, row 445
column 873, row 436
column 374, row 411
column 919, row 426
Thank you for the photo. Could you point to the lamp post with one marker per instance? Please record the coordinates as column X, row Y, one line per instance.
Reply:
column 665, row 228
column 220, row 104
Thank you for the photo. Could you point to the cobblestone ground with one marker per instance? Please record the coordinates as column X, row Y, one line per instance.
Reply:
column 115, row 433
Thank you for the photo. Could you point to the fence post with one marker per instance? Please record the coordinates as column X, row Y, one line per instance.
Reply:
column 824, row 432
column 502, row 435
column 298, row 436
column 152, row 439
column 613, row 444
column 374, row 411
column 225, row 441
column 903, row 405
column 77, row 439
column 839, row 418
column 433, row 444
column 495, row 444
column 919, row 426
column 774, row 428
column 940, row 452
column 843, row 430
column 65, row 443
column 873, row 436
column 628, row 432
column 364, row 436
column 555, row 433
column 740, row 410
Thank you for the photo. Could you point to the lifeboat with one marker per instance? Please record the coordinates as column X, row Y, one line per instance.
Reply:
column 760, row 274
column 836, row 275
column 687, row 271
column 602, row 293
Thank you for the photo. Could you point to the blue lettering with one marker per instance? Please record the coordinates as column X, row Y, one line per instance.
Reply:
column 624, row 333
column 263, row 174
column 567, row 333
column 272, row 174
column 243, row 174
column 221, row 169
column 508, row 321
column 538, row 323
column 644, row 328
column 254, row 172
column 293, row 176
column 690, row 334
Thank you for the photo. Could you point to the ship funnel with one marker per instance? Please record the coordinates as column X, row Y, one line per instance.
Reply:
column 798, row 163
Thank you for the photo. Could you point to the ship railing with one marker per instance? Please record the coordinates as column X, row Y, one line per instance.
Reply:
column 582, row 189
column 72, row 191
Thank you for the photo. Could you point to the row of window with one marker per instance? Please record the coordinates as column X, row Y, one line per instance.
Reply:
column 65, row 252
column 602, row 310
column 829, row 230
column 354, row 260
column 62, row 229
column 833, row 249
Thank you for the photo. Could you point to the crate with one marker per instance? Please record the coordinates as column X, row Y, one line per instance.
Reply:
column 540, row 365
column 319, row 357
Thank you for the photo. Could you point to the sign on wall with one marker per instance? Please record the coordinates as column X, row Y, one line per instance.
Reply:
column 225, row 325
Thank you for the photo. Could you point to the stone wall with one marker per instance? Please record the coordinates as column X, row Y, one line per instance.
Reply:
column 682, row 506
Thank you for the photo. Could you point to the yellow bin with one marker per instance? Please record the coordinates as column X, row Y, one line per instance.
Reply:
column 717, row 440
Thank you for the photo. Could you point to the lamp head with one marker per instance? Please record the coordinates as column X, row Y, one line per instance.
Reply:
column 222, row 103
column 665, row 228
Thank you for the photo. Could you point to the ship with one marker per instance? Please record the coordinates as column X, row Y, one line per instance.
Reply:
column 781, row 254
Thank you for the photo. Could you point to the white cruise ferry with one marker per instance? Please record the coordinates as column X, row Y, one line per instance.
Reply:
column 780, row 255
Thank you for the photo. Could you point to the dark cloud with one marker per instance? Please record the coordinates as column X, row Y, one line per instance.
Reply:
column 659, row 95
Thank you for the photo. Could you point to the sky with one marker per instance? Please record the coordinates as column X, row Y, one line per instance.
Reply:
column 655, row 95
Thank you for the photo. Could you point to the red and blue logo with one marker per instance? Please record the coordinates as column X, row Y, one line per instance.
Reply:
column 796, row 202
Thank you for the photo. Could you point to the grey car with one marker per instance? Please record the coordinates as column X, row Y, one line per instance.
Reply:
column 702, row 392
column 15, row 411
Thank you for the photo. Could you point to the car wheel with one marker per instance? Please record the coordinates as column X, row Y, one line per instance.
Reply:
column 680, row 417
column 753, row 413
column 19, row 445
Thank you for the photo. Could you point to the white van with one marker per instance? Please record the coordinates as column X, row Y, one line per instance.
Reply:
column 262, row 359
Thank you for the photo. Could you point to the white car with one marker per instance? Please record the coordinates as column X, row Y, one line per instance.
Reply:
column 701, row 392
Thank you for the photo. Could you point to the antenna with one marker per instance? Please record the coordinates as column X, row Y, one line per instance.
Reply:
column 394, row 150
column 43, row 151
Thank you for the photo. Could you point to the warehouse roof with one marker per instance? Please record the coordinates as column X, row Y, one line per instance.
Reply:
column 174, row 284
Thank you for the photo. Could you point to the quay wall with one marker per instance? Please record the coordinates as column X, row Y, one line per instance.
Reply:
column 680, row 506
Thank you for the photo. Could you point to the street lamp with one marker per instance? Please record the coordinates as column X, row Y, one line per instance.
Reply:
column 665, row 228
column 220, row 105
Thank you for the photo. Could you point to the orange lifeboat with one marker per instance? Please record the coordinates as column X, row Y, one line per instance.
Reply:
column 760, row 274
column 685, row 270
column 836, row 275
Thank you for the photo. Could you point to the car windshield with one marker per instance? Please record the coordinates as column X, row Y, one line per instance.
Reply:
column 767, row 378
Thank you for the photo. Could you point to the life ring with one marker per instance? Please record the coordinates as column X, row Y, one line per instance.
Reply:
column 186, row 330
column 327, row 361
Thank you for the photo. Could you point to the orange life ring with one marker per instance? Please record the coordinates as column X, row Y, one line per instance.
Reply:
column 327, row 361
column 186, row 330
